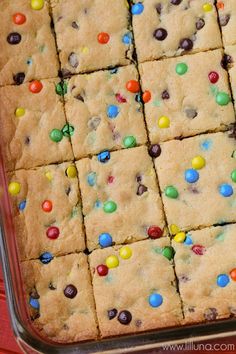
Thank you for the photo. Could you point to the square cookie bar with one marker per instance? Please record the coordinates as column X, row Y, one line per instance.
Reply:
column 47, row 211
column 206, row 269
column 92, row 35
column 121, row 201
column 230, row 62
column 168, row 28
column 33, row 128
column 187, row 96
column 104, row 111
column 197, row 178
column 227, row 17
column 60, row 298
column 27, row 45
column 134, row 287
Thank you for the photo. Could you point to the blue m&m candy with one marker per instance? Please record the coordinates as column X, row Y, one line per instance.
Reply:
column 226, row 190
column 222, row 280
column 34, row 303
column 91, row 178
column 112, row 111
column 105, row 240
column 188, row 241
column 46, row 257
column 104, row 156
column 137, row 9
column 127, row 38
column 22, row 205
column 191, row 175
column 155, row 300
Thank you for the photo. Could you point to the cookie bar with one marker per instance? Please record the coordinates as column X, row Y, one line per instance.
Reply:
column 205, row 262
column 230, row 62
column 121, row 202
column 197, row 180
column 105, row 110
column 33, row 129
column 227, row 18
column 134, row 287
column 60, row 298
column 47, row 211
column 168, row 28
column 190, row 96
column 28, row 47
column 92, row 35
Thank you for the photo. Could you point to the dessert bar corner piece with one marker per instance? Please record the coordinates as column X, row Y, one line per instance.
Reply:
column 33, row 128
column 227, row 19
column 92, row 35
column 206, row 271
column 27, row 43
column 168, row 28
column 60, row 298
column 47, row 211
column 230, row 63
column 120, row 196
column 187, row 96
column 134, row 287
column 105, row 110
column 197, row 179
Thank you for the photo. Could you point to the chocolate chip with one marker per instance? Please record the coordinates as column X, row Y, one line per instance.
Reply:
column 165, row 95
column 159, row 8
column 14, row 38
column 112, row 313
column 141, row 189
column 160, row 34
column 186, row 44
column 34, row 294
column 35, row 316
column 73, row 60
column 226, row 60
column 65, row 73
column 154, row 150
column 191, row 309
column 75, row 25
column 211, row 314
column 232, row 131
column 19, row 78
column 94, row 122
column 125, row 317
column 51, row 286
column 138, row 178
column 176, row 2
column 68, row 190
column 79, row 97
column 224, row 19
column 138, row 323
column 193, row 189
column 191, row 113
column 27, row 140
column 70, row 291
column 183, row 278
column 200, row 24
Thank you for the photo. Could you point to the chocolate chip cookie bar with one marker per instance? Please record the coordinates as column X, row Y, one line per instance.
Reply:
column 47, row 211
column 60, row 298
column 186, row 96
column 197, row 178
column 92, row 35
column 227, row 18
column 33, row 128
column 28, row 47
column 168, row 28
column 120, row 207
column 206, row 269
column 134, row 287
column 105, row 109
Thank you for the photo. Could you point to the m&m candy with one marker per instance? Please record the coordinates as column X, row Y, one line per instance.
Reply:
column 181, row 68
column 105, row 240
column 171, row 192
column 53, row 232
column 198, row 162
column 46, row 257
column 129, row 141
column 146, row 96
column 155, row 300
column 103, row 38
column 19, row 18
column 102, row 270
column 14, row 188
column 19, row 112
column 35, row 86
column 104, row 156
column 37, row 4
column 191, row 176
column 112, row 111
column 137, row 9
column 56, row 135
column 163, row 122
column 125, row 252
column 226, row 190
column 222, row 280
column 109, row 207
column 154, row 232
column 71, row 171
column 180, row 237
column 47, row 206
column 133, row 86
column 233, row 274
column 222, row 98
column 112, row 262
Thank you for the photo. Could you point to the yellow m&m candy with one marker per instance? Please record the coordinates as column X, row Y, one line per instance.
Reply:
column 180, row 237
column 19, row 112
column 125, row 252
column 112, row 262
column 163, row 122
column 207, row 7
column 198, row 162
column 49, row 176
column 174, row 229
column 14, row 188
column 37, row 4
column 71, row 171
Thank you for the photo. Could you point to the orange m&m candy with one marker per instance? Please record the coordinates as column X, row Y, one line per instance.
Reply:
column 146, row 96
column 47, row 206
column 133, row 86
column 233, row 274
column 35, row 86
column 103, row 38
column 19, row 18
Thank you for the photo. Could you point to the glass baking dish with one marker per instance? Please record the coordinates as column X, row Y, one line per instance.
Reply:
column 31, row 342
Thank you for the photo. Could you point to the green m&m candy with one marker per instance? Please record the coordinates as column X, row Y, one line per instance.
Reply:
column 61, row 88
column 168, row 252
column 222, row 98
column 129, row 141
column 109, row 207
column 233, row 176
column 56, row 135
column 181, row 68
column 68, row 130
column 171, row 192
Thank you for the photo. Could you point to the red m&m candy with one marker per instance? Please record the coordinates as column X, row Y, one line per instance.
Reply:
column 213, row 77
column 19, row 18
column 47, row 206
column 103, row 38
column 198, row 249
column 155, row 232
column 53, row 232
column 102, row 270
column 35, row 86
column 133, row 86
